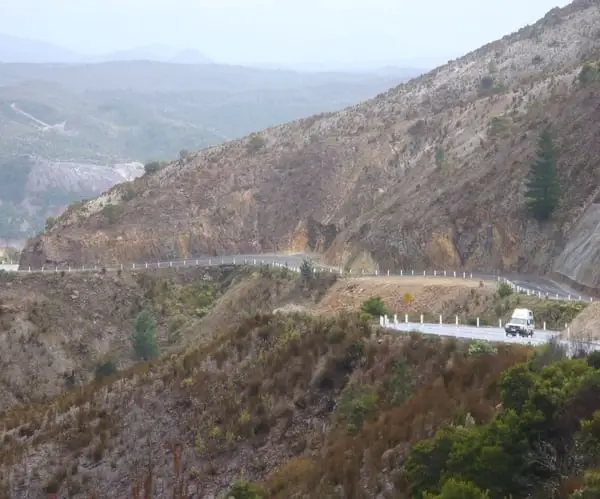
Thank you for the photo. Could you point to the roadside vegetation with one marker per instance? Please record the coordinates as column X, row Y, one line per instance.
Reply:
column 490, row 308
column 295, row 405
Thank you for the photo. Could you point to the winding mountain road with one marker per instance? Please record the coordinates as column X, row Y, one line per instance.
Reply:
column 541, row 286
column 537, row 285
column 493, row 335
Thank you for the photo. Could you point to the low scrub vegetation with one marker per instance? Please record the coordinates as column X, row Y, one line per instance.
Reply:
column 289, row 405
column 540, row 443
column 374, row 307
column 300, row 401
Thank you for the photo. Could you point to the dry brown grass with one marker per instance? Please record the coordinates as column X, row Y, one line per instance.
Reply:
column 259, row 395
column 429, row 294
column 432, row 296
column 261, row 391
column 53, row 324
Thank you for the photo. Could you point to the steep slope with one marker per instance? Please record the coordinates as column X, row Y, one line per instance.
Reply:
column 34, row 189
column 427, row 174
column 269, row 390
column 104, row 114
column 55, row 324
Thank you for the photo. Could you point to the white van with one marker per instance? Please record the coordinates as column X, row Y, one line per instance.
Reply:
column 521, row 323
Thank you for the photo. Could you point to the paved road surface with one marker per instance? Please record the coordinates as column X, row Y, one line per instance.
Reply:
column 293, row 261
column 535, row 284
column 492, row 334
column 475, row 333
column 545, row 285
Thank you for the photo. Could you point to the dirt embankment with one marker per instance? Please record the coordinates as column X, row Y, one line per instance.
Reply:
column 586, row 326
column 432, row 296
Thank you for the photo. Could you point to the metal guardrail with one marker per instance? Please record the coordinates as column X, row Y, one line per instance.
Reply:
column 385, row 321
column 490, row 334
column 481, row 276
column 293, row 262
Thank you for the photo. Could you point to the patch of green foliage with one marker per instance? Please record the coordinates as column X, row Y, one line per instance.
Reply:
column 244, row 490
column 400, row 384
column 546, row 433
column 374, row 307
column 152, row 167
column 589, row 73
column 143, row 339
column 504, row 290
column 543, row 187
column 307, row 270
column 457, row 489
column 106, row 369
column 488, row 86
column 356, row 403
column 189, row 300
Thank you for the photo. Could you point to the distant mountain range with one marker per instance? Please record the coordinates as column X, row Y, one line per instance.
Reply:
column 67, row 119
column 17, row 49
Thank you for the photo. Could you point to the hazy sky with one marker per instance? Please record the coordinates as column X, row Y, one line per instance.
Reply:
column 266, row 31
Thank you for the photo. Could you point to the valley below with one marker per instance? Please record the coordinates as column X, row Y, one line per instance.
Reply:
column 70, row 132
column 127, row 373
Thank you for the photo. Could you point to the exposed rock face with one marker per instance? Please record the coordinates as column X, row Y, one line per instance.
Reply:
column 47, row 189
column 429, row 174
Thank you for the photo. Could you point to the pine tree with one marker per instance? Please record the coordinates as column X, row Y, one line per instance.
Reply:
column 143, row 339
column 543, row 188
column 307, row 270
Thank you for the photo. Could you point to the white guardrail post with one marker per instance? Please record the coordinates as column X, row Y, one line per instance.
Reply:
column 271, row 262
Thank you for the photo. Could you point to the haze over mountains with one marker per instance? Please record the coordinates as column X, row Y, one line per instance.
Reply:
column 18, row 49
column 257, row 382
column 15, row 49
column 106, row 115
column 427, row 175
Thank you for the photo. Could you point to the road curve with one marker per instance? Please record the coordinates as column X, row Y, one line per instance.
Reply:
column 484, row 333
column 540, row 286
column 491, row 334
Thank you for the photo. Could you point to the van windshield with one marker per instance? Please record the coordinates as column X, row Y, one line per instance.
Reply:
column 516, row 320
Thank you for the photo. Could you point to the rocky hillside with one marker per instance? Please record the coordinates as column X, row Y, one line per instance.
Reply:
column 315, row 408
column 80, row 120
column 258, row 396
column 34, row 189
column 428, row 174
column 55, row 325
